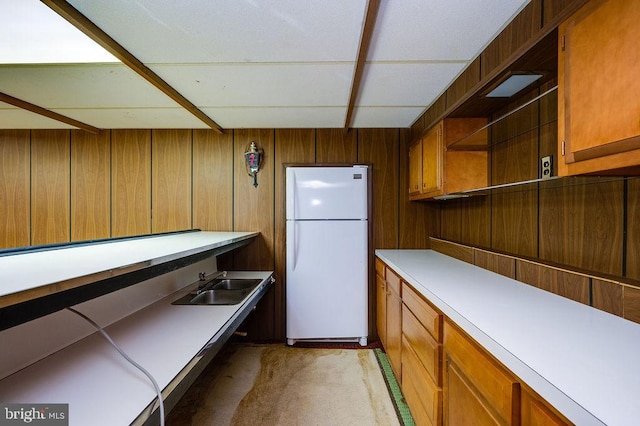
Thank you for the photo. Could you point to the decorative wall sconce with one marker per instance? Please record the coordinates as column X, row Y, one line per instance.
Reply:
column 253, row 161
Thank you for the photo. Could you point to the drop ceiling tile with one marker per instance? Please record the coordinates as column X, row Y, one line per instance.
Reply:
column 16, row 118
column 438, row 30
column 381, row 117
column 135, row 118
column 80, row 86
column 300, row 84
column 292, row 118
column 31, row 32
column 406, row 84
column 169, row 31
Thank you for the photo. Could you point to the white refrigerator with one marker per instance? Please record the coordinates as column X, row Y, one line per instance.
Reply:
column 327, row 254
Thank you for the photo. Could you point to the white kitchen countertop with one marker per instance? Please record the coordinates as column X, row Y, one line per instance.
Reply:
column 78, row 265
column 100, row 387
column 583, row 361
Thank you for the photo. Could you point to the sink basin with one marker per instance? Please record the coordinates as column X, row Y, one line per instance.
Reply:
column 219, row 297
column 233, row 284
column 220, row 291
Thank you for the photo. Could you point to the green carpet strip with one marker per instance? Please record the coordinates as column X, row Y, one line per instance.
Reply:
column 394, row 389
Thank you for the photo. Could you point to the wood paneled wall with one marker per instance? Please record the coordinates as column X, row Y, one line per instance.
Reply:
column 59, row 186
column 588, row 223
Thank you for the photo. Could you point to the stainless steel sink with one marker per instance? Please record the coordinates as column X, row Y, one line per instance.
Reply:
column 220, row 291
column 233, row 284
column 219, row 297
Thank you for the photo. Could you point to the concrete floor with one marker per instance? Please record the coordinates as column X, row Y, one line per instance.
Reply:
column 282, row 385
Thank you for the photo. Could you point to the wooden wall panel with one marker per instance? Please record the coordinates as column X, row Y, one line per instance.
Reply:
column 292, row 146
column 212, row 180
column 130, row 182
column 581, row 224
column 475, row 221
column 15, row 181
column 607, row 296
column 514, row 227
column 554, row 10
column 563, row 283
column 171, row 180
column 417, row 128
column 254, row 207
column 90, row 185
column 633, row 229
column 503, row 265
column 417, row 221
column 515, row 35
column 549, row 126
column 631, row 302
column 254, row 211
column 435, row 112
column 469, row 78
column 451, row 220
column 380, row 147
column 514, row 140
column 448, row 248
column 336, row 146
column 50, row 186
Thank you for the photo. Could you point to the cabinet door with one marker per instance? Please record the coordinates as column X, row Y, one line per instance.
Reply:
column 599, row 89
column 536, row 412
column 463, row 404
column 476, row 385
column 422, row 394
column 394, row 331
column 415, row 168
column 381, row 311
column 432, row 152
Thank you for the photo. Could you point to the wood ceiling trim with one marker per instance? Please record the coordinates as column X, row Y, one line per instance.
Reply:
column 47, row 113
column 367, row 32
column 68, row 12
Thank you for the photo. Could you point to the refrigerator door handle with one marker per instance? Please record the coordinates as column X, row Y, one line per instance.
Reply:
column 295, row 246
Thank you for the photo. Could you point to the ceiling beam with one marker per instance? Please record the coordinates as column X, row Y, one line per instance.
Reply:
column 47, row 113
column 367, row 31
column 68, row 12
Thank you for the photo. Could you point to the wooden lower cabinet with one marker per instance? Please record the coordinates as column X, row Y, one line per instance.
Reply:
column 381, row 303
column 446, row 377
column 421, row 393
column 477, row 390
column 421, row 358
column 536, row 412
column 394, row 330
column 389, row 314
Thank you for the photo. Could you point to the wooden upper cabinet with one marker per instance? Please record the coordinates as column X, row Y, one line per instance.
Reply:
column 415, row 167
column 599, row 89
column 454, row 158
column 432, row 153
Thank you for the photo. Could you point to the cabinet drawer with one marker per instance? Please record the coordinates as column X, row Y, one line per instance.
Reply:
column 494, row 383
column 427, row 315
column 393, row 281
column 379, row 267
column 423, row 396
column 426, row 349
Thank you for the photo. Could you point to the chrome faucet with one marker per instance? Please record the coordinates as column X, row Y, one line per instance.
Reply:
column 203, row 280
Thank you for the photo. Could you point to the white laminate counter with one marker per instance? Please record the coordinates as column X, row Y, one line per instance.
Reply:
column 57, row 269
column 581, row 360
column 100, row 387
